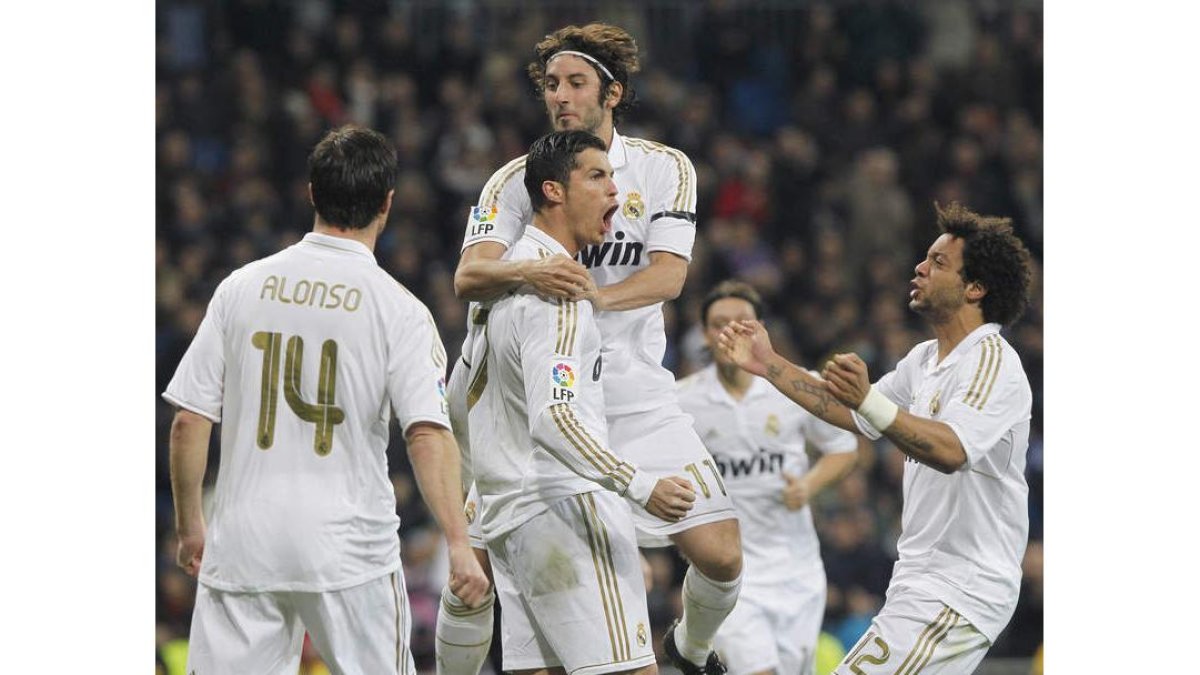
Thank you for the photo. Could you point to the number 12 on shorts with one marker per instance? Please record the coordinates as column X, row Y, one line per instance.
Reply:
column 324, row 414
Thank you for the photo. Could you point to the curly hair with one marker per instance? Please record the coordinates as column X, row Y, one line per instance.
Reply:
column 993, row 257
column 608, row 44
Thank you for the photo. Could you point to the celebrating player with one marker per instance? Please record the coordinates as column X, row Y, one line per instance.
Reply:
column 959, row 407
column 583, row 74
column 563, row 550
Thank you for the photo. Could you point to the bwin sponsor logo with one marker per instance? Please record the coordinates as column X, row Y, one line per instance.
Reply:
column 763, row 462
column 617, row 252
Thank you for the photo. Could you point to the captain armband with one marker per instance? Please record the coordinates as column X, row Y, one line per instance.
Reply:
column 878, row 410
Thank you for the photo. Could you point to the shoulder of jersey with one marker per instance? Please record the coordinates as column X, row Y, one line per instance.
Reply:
column 652, row 150
column 495, row 185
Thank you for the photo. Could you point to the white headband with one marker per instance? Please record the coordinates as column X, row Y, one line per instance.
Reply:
column 585, row 57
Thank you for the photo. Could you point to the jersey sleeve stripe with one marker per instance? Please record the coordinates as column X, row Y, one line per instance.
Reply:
column 683, row 196
column 600, row 458
column 977, row 388
column 983, row 353
column 611, row 569
column 556, row 411
column 995, row 374
column 593, row 544
column 491, row 191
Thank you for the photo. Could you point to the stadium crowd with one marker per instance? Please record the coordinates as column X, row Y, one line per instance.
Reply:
column 821, row 133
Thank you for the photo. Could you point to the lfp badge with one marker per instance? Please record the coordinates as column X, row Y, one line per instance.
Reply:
column 563, row 375
column 482, row 218
column 564, row 378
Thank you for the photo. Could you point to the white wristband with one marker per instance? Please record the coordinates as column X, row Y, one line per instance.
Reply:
column 878, row 410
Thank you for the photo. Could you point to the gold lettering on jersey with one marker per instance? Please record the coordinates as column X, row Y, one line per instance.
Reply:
column 935, row 404
column 772, row 428
column 311, row 293
column 634, row 207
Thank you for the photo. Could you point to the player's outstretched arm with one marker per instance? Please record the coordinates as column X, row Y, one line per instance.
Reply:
column 435, row 460
column 660, row 281
column 928, row 441
column 747, row 344
column 188, row 448
column 482, row 275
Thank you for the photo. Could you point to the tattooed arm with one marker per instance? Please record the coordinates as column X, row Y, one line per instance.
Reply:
column 843, row 389
column 747, row 344
column 930, row 442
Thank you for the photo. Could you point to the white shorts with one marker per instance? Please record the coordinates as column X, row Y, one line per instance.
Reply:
column 362, row 629
column 456, row 396
column 571, row 589
column 773, row 628
column 916, row 634
column 664, row 443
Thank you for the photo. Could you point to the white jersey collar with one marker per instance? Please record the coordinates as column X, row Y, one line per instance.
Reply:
column 341, row 243
column 717, row 393
column 961, row 348
column 545, row 240
column 616, row 152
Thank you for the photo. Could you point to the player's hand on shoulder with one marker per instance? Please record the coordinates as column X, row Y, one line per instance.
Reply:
column 671, row 499
column 558, row 276
column 467, row 579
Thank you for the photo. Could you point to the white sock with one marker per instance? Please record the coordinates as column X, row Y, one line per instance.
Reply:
column 706, row 603
column 464, row 635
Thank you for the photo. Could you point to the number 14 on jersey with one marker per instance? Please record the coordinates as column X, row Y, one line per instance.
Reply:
column 324, row 413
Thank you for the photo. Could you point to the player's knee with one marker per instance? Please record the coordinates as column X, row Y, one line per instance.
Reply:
column 723, row 562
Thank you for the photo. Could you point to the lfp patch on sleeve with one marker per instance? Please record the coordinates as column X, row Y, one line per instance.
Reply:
column 564, row 380
column 482, row 218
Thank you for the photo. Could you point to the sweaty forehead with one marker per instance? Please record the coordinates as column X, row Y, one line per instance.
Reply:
column 567, row 65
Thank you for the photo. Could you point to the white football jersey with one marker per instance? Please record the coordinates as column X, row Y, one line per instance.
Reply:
column 303, row 357
column 964, row 534
column 754, row 442
column 536, row 406
column 656, row 188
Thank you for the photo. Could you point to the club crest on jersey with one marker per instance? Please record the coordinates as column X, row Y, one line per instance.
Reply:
column 641, row 634
column 935, row 404
column 469, row 510
column 634, row 206
column 481, row 219
column 564, row 378
column 772, row 427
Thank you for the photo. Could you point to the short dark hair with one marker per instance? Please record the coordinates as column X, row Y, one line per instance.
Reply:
column 611, row 45
column 553, row 157
column 994, row 257
column 731, row 288
column 351, row 171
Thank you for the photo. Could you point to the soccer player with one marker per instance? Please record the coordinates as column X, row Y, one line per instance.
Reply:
column 958, row 406
column 303, row 529
column 561, row 541
column 759, row 439
column 583, row 75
